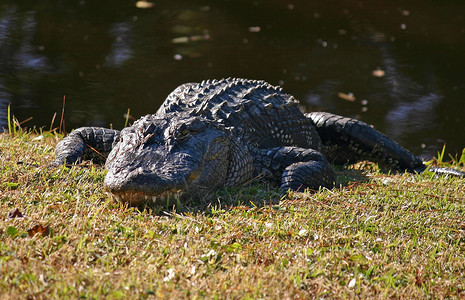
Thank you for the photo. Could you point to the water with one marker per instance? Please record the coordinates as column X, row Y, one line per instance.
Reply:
column 401, row 62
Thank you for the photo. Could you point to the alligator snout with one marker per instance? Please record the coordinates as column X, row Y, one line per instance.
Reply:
column 141, row 186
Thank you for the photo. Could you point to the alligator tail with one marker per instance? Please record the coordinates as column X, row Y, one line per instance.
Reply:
column 446, row 171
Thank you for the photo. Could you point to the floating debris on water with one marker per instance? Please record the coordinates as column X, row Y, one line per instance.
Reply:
column 348, row 97
column 144, row 4
column 255, row 29
column 192, row 38
column 378, row 73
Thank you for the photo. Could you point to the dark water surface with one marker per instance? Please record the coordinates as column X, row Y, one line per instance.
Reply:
column 402, row 61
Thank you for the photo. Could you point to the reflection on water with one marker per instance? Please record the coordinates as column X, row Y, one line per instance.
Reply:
column 120, row 50
column 18, row 56
column 414, row 104
column 400, row 64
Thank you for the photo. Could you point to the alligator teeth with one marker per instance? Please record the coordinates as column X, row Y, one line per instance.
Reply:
column 163, row 198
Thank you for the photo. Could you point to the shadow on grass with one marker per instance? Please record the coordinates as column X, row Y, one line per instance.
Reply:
column 257, row 194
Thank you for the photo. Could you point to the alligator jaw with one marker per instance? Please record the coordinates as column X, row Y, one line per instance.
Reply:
column 133, row 198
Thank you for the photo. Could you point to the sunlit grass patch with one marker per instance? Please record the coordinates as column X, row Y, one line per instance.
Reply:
column 376, row 235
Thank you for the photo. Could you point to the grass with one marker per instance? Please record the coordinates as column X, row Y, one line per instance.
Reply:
column 378, row 236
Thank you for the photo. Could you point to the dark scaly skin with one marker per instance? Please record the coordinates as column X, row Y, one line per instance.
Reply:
column 346, row 140
column 86, row 143
column 225, row 133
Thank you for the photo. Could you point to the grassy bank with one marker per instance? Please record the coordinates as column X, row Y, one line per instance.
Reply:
column 381, row 235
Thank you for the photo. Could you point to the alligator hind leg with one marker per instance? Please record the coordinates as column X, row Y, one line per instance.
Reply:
column 297, row 168
column 85, row 143
column 348, row 140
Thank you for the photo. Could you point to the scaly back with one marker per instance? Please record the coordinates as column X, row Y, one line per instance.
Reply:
column 254, row 110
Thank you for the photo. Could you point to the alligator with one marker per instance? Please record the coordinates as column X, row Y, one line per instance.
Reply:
column 225, row 133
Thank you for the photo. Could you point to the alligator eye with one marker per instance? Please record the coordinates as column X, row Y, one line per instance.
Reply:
column 187, row 129
column 182, row 135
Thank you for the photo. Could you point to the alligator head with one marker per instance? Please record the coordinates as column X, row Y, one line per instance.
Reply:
column 169, row 157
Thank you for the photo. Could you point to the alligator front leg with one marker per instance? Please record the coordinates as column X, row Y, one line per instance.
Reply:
column 296, row 168
column 348, row 140
column 85, row 143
